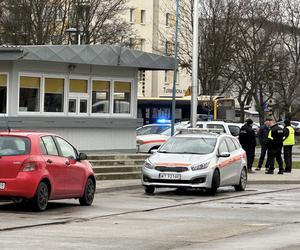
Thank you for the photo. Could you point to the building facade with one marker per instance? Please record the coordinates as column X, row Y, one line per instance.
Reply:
column 154, row 22
column 86, row 93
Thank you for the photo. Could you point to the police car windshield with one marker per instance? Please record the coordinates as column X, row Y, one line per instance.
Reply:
column 189, row 145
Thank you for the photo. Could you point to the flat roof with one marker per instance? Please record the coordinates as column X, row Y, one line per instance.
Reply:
column 101, row 55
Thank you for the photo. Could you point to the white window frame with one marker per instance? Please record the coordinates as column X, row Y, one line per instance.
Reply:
column 79, row 96
column 110, row 97
column 25, row 113
column 132, row 100
column 7, row 91
column 65, row 112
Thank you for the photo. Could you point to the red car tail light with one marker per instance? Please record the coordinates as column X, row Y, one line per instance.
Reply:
column 29, row 166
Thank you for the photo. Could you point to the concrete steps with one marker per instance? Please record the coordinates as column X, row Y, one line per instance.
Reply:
column 117, row 166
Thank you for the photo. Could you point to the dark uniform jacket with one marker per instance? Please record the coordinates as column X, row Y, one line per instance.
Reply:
column 263, row 134
column 247, row 137
column 275, row 137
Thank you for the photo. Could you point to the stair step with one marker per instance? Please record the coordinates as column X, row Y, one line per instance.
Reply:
column 115, row 169
column 116, row 162
column 118, row 176
column 119, row 157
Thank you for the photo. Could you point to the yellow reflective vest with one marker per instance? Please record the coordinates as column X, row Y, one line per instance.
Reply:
column 290, row 140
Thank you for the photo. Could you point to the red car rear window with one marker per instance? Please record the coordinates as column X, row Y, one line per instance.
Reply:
column 13, row 145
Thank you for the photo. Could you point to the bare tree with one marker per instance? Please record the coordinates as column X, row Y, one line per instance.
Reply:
column 46, row 21
column 255, row 46
column 288, row 67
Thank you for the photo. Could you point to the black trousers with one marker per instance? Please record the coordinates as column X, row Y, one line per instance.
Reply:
column 287, row 154
column 250, row 153
column 272, row 154
column 263, row 153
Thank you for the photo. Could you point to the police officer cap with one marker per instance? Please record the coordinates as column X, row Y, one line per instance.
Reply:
column 249, row 121
column 287, row 122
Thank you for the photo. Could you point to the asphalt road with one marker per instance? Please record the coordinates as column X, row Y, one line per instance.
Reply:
column 263, row 217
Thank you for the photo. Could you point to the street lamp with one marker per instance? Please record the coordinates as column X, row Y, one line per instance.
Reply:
column 71, row 31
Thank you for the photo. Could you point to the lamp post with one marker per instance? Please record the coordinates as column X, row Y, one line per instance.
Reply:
column 175, row 70
column 194, row 98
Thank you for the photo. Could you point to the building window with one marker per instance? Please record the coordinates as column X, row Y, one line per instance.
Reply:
column 167, row 19
column 166, row 77
column 143, row 16
column 100, row 97
column 54, row 95
column 29, row 100
column 3, row 93
column 78, row 86
column 131, row 43
column 132, row 16
column 143, row 42
column 122, row 97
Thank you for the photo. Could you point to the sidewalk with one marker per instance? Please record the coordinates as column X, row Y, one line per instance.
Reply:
column 257, row 178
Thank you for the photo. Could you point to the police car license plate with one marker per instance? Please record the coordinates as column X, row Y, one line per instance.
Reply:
column 2, row 185
column 170, row 176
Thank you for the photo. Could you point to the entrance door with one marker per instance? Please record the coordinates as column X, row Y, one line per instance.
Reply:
column 78, row 106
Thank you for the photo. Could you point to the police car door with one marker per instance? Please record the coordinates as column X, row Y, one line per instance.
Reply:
column 224, row 163
column 234, row 167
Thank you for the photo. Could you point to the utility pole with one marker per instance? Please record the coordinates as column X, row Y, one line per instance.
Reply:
column 175, row 70
column 194, row 97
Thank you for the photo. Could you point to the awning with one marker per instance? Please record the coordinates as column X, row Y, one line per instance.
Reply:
column 101, row 55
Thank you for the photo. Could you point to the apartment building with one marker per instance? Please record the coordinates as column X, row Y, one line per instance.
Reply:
column 154, row 23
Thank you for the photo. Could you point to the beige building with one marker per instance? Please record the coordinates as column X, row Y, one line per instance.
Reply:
column 154, row 23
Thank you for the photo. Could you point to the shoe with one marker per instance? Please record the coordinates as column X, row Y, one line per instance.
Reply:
column 250, row 171
column 280, row 172
column 269, row 172
column 258, row 169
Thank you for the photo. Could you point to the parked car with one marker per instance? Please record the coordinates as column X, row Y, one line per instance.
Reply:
column 197, row 160
column 146, row 143
column 149, row 142
column 37, row 167
column 152, row 129
column 295, row 125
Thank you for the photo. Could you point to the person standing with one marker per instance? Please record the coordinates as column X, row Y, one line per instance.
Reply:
column 288, row 143
column 274, row 146
column 263, row 139
column 248, row 142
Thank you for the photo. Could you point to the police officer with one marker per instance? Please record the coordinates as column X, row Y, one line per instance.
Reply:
column 274, row 145
column 288, row 142
column 263, row 139
column 248, row 142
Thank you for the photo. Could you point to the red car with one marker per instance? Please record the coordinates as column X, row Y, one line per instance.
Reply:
column 37, row 167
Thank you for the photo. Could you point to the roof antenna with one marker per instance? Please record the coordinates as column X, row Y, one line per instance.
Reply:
column 7, row 124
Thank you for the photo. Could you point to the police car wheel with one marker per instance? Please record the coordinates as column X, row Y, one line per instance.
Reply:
column 243, row 181
column 149, row 189
column 215, row 183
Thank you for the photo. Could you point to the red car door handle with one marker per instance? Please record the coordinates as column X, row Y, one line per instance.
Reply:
column 49, row 161
column 67, row 163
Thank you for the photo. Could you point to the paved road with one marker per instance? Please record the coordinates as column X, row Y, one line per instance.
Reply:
column 263, row 217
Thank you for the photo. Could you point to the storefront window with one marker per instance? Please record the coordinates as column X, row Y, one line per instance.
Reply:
column 3, row 93
column 100, row 97
column 122, row 97
column 78, row 86
column 54, row 95
column 29, row 94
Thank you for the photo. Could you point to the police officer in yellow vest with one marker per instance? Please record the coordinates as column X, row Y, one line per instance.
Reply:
column 288, row 143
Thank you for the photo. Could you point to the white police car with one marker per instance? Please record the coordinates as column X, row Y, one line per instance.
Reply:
column 197, row 158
